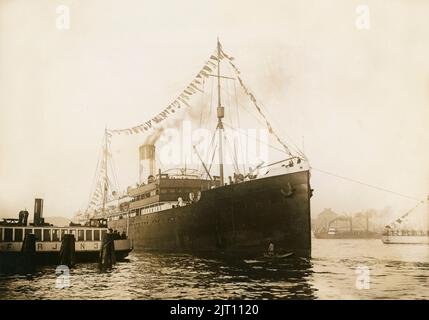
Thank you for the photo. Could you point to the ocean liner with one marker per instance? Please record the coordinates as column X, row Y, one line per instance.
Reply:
column 209, row 211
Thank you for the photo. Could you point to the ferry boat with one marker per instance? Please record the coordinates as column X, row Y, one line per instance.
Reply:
column 204, row 211
column 405, row 237
column 88, row 239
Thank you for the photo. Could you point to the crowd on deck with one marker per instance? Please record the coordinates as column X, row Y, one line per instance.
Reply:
column 117, row 235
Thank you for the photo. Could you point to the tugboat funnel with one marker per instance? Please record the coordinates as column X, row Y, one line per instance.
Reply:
column 38, row 212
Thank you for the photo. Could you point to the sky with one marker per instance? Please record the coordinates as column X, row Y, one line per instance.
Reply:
column 356, row 99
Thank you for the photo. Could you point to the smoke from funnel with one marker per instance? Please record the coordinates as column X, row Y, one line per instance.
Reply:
column 190, row 113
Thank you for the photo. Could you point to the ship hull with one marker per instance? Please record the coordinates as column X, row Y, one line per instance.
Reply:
column 347, row 235
column 235, row 220
column 48, row 253
column 405, row 239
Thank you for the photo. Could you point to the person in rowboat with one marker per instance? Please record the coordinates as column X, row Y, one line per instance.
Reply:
column 271, row 249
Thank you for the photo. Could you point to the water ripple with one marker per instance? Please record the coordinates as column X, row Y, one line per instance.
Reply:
column 331, row 273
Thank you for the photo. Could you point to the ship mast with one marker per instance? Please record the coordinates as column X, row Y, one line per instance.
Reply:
column 105, row 173
column 220, row 115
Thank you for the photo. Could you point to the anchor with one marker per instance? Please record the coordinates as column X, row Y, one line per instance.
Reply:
column 290, row 191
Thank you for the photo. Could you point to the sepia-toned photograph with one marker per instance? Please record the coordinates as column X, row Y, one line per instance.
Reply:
column 214, row 150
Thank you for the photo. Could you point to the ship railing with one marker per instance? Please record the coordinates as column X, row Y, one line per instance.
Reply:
column 406, row 233
column 289, row 160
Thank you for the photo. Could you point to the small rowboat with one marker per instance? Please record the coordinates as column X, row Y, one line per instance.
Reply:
column 270, row 258
column 277, row 256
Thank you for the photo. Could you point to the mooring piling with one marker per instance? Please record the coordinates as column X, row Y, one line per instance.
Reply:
column 67, row 251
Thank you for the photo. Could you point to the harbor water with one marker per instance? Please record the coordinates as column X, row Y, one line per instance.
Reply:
column 338, row 269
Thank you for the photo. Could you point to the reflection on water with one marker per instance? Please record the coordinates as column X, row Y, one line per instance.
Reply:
column 394, row 272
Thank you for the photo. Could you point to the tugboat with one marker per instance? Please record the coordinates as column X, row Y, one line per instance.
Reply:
column 49, row 238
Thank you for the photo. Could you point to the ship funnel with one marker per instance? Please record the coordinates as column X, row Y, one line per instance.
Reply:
column 38, row 212
column 147, row 162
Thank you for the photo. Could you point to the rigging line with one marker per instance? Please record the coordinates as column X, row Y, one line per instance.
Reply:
column 396, row 222
column 95, row 177
column 125, row 129
column 210, row 145
column 213, row 147
column 366, row 184
column 203, row 106
column 211, row 100
column 235, row 164
column 235, row 155
column 251, row 114
column 109, row 184
column 205, row 101
column 288, row 139
column 229, row 100
column 232, row 145
column 211, row 162
column 115, row 183
column 263, row 115
column 202, row 99
column 113, row 168
column 115, row 176
column 247, row 148
column 264, row 125
column 269, row 145
column 297, row 149
column 209, row 112
column 231, row 149
column 93, row 184
column 239, row 126
column 408, row 212
column 205, row 156
column 110, row 181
